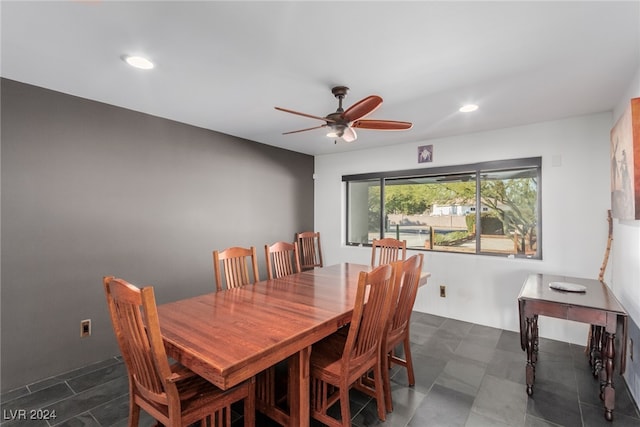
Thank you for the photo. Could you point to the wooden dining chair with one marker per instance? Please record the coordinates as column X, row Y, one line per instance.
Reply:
column 387, row 250
column 405, row 291
column 170, row 393
column 339, row 361
column 282, row 259
column 235, row 265
column 310, row 249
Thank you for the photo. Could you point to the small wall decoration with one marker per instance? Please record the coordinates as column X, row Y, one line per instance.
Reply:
column 425, row 153
column 625, row 164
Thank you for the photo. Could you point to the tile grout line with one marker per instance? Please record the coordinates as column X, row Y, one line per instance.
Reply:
column 574, row 369
column 60, row 376
column 105, row 403
column 86, row 391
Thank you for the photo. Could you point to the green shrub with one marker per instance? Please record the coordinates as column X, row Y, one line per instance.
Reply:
column 450, row 238
column 491, row 224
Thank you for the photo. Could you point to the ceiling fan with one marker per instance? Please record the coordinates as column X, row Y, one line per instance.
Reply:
column 342, row 124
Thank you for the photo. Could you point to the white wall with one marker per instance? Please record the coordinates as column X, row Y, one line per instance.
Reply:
column 625, row 265
column 625, row 253
column 484, row 289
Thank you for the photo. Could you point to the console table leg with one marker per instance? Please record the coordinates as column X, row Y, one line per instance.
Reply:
column 534, row 358
column 609, row 392
column 530, row 370
column 592, row 346
column 596, row 352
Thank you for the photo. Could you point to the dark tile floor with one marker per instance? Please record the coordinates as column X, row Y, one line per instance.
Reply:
column 466, row 375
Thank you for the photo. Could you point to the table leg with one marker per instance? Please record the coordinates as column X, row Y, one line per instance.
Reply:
column 535, row 341
column 592, row 345
column 530, row 369
column 299, row 388
column 596, row 350
column 608, row 391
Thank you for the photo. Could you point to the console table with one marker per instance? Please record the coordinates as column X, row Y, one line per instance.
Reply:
column 596, row 306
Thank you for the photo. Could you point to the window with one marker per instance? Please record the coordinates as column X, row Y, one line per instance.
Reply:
column 490, row 208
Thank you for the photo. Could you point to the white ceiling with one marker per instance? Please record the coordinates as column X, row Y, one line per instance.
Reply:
column 225, row 65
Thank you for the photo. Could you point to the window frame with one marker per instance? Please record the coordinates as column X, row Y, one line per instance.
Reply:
column 431, row 172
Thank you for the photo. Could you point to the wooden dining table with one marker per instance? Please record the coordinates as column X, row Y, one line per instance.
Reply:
column 229, row 337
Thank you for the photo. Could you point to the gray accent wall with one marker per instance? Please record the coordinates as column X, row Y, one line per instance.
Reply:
column 90, row 189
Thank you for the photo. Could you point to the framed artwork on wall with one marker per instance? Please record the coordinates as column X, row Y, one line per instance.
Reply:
column 425, row 153
column 625, row 163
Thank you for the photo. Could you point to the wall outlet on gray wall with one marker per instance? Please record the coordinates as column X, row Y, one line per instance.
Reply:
column 85, row 328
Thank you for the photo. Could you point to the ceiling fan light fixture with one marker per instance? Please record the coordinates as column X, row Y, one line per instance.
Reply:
column 336, row 131
column 468, row 108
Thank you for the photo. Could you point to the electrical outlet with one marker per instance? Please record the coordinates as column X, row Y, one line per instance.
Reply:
column 85, row 328
column 443, row 291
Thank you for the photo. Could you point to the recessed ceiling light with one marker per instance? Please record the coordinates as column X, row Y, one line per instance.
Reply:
column 468, row 108
column 139, row 62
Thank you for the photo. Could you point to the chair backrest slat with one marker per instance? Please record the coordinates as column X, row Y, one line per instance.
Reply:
column 370, row 315
column 234, row 262
column 135, row 322
column 388, row 250
column 282, row 259
column 407, row 288
column 310, row 249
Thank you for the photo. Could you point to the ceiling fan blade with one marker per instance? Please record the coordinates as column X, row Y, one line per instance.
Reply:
column 362, row 108
column 304, row 130
column 381, row 124
column 304, row 114
column 349, row 135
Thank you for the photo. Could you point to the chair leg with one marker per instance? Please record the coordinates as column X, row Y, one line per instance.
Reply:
column 345, row 406
column 134, row 412
column 379, row 387
column 386, row 381
column 250, row 405
column 409, row 360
